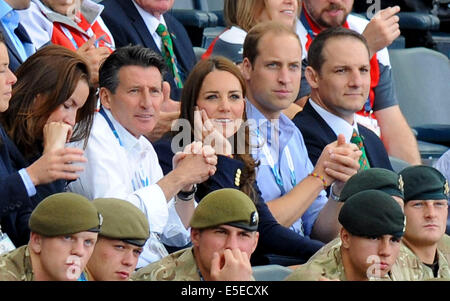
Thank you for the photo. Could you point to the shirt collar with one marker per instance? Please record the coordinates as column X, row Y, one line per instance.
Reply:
column 257, row 120
column 5, row 8
column 89, row 9
column 129, row 142
column 336, row 123
column 151, row 21
column 9, row 15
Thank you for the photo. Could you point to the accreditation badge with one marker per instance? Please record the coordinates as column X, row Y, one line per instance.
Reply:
column 6, row 244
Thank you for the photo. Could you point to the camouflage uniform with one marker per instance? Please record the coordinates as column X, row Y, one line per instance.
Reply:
column 16, row 265
column 327, row 262
column 409, row 267
column 444, row 246
column 178, row 266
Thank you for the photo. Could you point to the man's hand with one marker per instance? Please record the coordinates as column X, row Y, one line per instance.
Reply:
column 94, row 57
column 338, row 161
column 198, row 162
column 383, row 29
column 233, row 265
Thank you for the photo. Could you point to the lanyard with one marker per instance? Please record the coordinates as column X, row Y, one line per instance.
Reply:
column 139, row 180
column 274, row 166
column 111, row 126
column 307, row 26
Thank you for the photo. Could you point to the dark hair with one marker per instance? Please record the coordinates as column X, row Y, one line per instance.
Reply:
column 315, row 53
column 53, row 73
column 189, row 96
column 2, row 39
column 251, row 43
column 135, row 55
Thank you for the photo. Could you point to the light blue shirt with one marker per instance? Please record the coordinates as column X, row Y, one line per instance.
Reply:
column 282, row 137
column 10, row 21
column 31, row 189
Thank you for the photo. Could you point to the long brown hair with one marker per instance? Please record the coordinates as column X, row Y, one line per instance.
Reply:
column 190, row 94
column 53, row 73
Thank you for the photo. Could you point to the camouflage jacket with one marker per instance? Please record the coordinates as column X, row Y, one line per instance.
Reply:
column 327, row 262
column 444, row 247
column 178, row 266
column 16, row 265
column 409, row 267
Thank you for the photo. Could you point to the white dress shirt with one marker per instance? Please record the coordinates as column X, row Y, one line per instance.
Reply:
column 129, row 172
column 336, row 123
column 152, row 23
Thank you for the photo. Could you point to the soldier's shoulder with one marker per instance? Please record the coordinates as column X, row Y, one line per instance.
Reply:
column 325, row 263
column 166, row 269
column 12, row 265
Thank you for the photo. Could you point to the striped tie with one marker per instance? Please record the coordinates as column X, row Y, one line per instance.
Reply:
column 168, row 53
column 356, row 139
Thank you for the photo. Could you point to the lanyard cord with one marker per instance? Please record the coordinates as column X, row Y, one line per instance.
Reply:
column 273, row 166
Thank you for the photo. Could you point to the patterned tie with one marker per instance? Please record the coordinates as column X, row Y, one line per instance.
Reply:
column 356, row 139
column 168, row 53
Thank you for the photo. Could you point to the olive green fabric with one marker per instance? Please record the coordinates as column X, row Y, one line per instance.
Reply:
column 424, row 183
column 123, row 221
column 64, row 213
column 373, row 178
column 225, row 206
column 372, row 213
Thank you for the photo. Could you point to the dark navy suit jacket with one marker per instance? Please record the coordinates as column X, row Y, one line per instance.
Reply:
column 14, row 58
column 317, row 134
column 15, row 204
column 127, row 27
column 273, row 238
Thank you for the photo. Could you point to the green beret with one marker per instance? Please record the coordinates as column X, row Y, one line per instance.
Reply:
column 424, row 183
column 373, row 178
column 225, row 207
column 372, row 213
column 64, row 213
column 123, row 221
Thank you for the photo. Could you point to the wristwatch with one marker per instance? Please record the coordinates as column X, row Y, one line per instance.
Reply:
column 187, row 195
column 332, row 195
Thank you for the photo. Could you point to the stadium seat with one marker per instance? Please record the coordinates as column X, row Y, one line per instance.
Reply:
column 271, row 272
column 193, row 19
column 398, row 164
column 213, row 6
column 421, row 78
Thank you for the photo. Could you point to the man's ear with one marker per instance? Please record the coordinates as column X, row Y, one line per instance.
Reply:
column 345, row 238
column 35, row 243
column 195, row 237
column 105, row 97
column 312, row 76
column 246, row 68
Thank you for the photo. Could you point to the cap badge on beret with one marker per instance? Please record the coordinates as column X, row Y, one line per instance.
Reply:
column 404, row 224
column 100, row 220
column 254, row 218
column 446, row 189
column 401, row 184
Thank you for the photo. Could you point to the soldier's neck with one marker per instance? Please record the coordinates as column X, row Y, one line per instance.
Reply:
column 38, row 271
column 426, row 253
column 352, row 273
